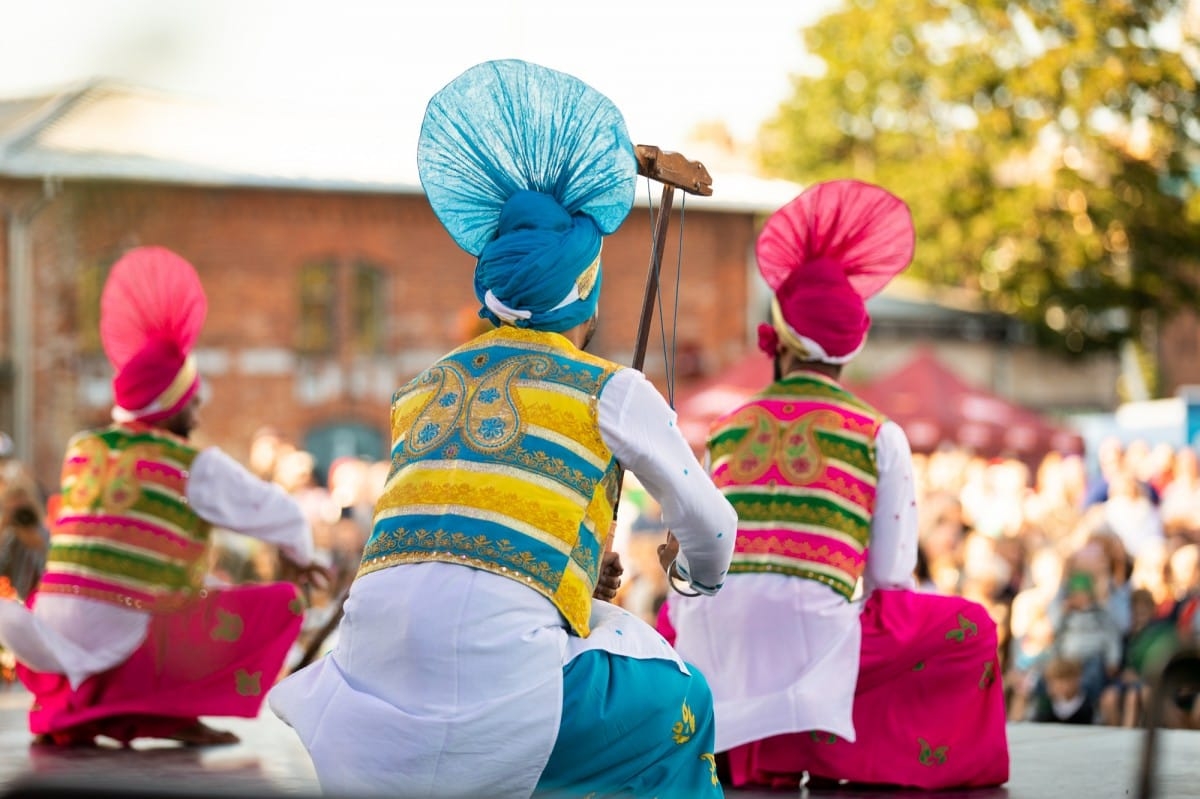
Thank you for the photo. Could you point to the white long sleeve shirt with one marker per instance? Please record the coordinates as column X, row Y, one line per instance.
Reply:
column 79, row 637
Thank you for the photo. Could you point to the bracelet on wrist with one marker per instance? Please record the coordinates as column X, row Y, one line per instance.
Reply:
column 673, row 578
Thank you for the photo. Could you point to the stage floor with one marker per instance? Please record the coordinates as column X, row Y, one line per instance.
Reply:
column 1048, row 761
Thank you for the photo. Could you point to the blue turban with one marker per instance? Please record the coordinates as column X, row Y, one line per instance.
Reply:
column 528, row 168
column 535, row 263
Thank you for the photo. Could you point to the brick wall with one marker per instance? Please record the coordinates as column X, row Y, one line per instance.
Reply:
column 249, row 247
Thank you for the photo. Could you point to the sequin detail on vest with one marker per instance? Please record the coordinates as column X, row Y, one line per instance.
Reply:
column 797, row 462
column 125, row 533
column 498, row 463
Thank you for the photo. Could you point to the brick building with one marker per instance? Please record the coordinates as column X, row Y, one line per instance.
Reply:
column 329, row 280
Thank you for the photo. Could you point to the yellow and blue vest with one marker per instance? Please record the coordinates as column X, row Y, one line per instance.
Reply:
column 498, row 464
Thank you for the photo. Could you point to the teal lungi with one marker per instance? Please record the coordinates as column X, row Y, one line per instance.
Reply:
column 632, row 727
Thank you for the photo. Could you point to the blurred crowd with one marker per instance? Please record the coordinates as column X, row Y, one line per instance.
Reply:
column 24, row 536
column 1092, row 578
column 339, row 504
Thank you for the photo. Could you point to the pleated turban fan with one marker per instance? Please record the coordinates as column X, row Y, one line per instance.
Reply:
column 151, row 312
column 824, row 254
column 528, row 169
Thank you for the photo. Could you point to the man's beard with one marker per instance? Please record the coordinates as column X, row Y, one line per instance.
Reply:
column 180, row 425
column 589, row 333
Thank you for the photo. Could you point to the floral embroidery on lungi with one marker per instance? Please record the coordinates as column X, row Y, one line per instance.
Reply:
column 683, row 730
column 229, row 626
column 989, row 675
column 248, row 684
column 920, row 666
column 711, row 760
column 930, row 756
column 965, row 627
column 823, row 737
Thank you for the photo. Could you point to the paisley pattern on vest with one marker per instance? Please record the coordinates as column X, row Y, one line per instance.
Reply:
column 498, row 463
column 125, row 533
column 797, row 462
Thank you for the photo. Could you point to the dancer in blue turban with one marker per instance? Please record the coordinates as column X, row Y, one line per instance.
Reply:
column 478, row 655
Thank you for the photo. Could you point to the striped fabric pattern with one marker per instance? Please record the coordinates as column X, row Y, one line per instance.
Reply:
column 797, row 462
column 498, row 463
column 125, row 533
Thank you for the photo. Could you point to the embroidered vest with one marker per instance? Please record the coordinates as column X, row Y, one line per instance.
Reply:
column 797, row 462
column 125, row 533
column 498, row 463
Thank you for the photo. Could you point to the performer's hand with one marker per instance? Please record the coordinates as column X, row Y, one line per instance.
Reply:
column 314, row 574
column 609, row 580
column 667, row 552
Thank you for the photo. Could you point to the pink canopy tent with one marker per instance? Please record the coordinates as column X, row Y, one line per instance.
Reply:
column 700, row 404
column 935, row 407
column 932, row 404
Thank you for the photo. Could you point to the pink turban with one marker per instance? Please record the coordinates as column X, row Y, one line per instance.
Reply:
column 151, row 313
column 824, row 254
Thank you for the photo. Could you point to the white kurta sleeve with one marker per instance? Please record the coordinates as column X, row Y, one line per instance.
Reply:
column 893, row 552
column 640, row 428
column 224, row 493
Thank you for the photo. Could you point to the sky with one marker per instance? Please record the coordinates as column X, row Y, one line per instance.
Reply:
column 669, row 65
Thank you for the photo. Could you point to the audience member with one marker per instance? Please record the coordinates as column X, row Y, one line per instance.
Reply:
column 1065, row 701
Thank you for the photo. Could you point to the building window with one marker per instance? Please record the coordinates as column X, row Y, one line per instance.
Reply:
column 367, row 316
column 317, row 297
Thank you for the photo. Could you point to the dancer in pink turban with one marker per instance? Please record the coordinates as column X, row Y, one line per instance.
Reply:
column 123, row 637
column 823, row 660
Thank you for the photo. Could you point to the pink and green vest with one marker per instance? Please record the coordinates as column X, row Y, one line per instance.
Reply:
column 797, row 462
column 125, row 533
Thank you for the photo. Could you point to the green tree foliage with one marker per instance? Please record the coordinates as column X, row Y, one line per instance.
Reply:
column 1048, row 148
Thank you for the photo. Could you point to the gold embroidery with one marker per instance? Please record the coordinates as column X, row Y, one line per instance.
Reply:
column 839, row 584
column 229, row 626
column 494, row 419
column 435, row 420
column 559, row 519
column 800, row 550
column 248, row 684
column 786, row 510
column 88, row 461
column 683, row 730
column 558, row 482
column 572, row 598
column 121, row 486
column 586, row 554
column 711, row 760
column 570, row 423
column 965, row 627
column 803, row 449
column 797, row 453
column 989, row 675
column 587, row 279
column 931, row 756
column 399, row 546
column 751, row 457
